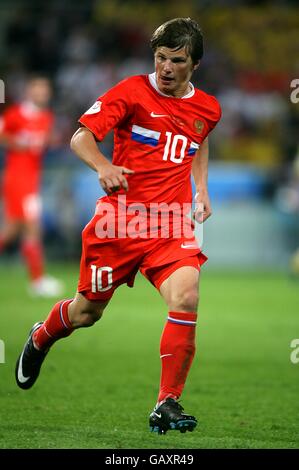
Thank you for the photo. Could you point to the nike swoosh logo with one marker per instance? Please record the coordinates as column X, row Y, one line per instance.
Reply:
column 158, row 415
column 164, row 355
column 158, row 115
column 189, row 246
column 21, row 377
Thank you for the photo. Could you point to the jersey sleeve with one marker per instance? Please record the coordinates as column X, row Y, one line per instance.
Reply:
column 109, row 111
column 214, row 116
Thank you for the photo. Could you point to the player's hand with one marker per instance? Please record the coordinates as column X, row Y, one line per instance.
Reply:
column 18, row 145
column 112, row 178
column 202, row 206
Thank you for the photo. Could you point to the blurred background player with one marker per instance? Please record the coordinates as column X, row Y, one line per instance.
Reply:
column 25, row 132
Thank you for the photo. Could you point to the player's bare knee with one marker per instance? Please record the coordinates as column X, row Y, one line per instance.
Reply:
column 84, row 313
column 83, row 316
column 186, row 301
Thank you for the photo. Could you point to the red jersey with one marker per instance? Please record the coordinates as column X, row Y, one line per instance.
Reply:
column 155, row 135
column 31, row 127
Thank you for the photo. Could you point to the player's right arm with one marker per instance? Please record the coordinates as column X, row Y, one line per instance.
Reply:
column 106, row 114
column 111, row 177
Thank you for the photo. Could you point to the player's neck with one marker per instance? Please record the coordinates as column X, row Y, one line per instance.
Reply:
column 183, row 91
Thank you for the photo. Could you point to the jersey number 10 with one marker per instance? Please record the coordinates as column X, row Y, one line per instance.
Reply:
column 98, row 284
column 171, row 145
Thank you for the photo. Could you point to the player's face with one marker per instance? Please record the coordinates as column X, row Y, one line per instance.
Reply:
column 174, row 69
column 39, row 92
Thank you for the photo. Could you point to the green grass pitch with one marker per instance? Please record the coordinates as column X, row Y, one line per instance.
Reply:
column 97, row 387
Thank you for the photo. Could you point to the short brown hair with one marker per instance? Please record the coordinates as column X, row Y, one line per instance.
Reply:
column 178, row 33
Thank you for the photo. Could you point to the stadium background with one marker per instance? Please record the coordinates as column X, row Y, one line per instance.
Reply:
column 251, row 57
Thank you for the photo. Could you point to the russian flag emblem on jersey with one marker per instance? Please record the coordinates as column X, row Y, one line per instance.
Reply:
column 145, row 136
column 192, row 149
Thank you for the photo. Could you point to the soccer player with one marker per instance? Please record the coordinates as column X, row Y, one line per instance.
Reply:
column 161, row 125
column 25, row 130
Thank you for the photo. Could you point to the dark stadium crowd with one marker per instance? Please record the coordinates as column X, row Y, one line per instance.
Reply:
column 86, row 49
column 250, row 59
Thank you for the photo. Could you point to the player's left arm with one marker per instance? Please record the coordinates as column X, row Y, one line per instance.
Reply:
column 9, row 142
column 200, row 174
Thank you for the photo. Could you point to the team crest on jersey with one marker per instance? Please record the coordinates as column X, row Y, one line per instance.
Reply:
column 199, row 125
column 95, row 108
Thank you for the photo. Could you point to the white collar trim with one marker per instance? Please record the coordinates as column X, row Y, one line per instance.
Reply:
column 29, row 109
column 153, row 82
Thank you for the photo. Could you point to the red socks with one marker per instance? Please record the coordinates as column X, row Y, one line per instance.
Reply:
column 32, row 252
column 177, row 350
column 56, row 326
column 177, row 346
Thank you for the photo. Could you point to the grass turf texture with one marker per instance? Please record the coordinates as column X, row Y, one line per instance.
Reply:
column 97, row 387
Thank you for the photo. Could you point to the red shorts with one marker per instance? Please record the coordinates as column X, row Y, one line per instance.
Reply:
column 106, row 263
column 25, row 208
column 21, row 200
